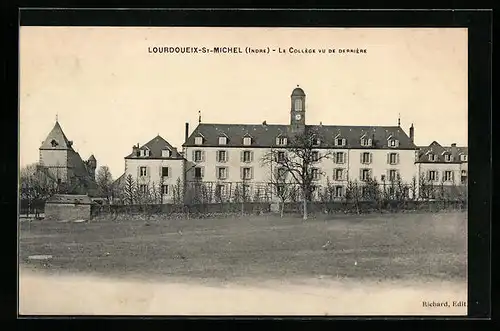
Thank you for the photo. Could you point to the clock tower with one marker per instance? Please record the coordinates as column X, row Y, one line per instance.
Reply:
column 298, row 110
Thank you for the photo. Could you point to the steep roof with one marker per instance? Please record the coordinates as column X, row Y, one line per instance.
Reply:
column 56, row 139
column 298, row 92
column 440, row 151
column 155, row 147
column 264, row 135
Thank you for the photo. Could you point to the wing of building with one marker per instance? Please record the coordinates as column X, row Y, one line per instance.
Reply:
column 154, row 172
column 228, row 153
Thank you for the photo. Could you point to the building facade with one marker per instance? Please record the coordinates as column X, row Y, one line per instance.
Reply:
column 60, row 162
column 442, row 170
column 154, row 171
column 224, row 155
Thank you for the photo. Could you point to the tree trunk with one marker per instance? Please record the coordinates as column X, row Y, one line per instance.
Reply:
column 305, row 208
column 282, row 207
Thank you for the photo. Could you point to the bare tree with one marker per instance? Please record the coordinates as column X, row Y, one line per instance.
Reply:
column 129, row 190
column 177, row 192
column 35, row 187
column 104, row 181
column 299, row 160
column 283, row 185
column 353, row 194
column 414, row 188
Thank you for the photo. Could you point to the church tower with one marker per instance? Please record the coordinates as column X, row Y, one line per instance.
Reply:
column 298, row 110
column 54, row 153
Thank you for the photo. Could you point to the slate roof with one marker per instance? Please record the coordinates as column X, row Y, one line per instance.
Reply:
column 264, row 135
column 440, row 152
column 57, row 135
column 298, row 92
column 155, row 146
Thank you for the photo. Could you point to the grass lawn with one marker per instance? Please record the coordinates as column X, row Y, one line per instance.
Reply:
column 380, row 247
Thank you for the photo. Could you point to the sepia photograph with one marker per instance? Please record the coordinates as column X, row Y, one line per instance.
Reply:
column 258, row 171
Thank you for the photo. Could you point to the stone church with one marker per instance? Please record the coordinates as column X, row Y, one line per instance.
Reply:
column 61, row 163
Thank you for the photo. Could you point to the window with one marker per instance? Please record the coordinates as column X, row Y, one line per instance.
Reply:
column 247, row 141
column 393, row 174
column 393, row 158
column 463, row 178
column 246, row 190
column 315, row 173
column 463, row 158
column 316, row 142
column 164, row 171
column 432, row 175
column 365, row 158
column 281, row 141
column 143, row 171
column 143, row 188
column 393, row 143
column 165, row 153
column 464, row 172
column 366, row 142
column 339, row 142
column 198, row 156
column 339, row 174
column 221, row 173
column 220, row 191
column 198, row 172
column 246, row 173
column 447, row 157
column 198, row 140
column 315, row 156
column 365, row 174
column 221, row 156
column 54, row 143
column 164, row 189
column 339, row 192
column 448, row 175
column 298, row 105
column 432, row 157
column 339, row 157
column 142, row 152
column 281, row 156
column 382, row 178
column 247, row 156
column 222, row 140
column 280, row 189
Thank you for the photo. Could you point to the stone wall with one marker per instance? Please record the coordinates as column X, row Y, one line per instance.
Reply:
column 67, row 212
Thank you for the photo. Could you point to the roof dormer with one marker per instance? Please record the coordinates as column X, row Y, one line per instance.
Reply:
column 223, row 139
column 392, row 141
column 281, row 140
column 166, row 153
column 199, row 139
column 432, row 157
column 339, row 140
column 366, row 141
column 247, row 140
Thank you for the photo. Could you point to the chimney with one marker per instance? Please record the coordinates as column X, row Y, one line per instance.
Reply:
column 454, row 149
column 412, row 132
column 264, row 123
column 186, row 133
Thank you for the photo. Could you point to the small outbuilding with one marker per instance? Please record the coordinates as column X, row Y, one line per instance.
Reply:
column 68, row 207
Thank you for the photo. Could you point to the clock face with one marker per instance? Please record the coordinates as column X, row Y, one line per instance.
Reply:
column 298, row 117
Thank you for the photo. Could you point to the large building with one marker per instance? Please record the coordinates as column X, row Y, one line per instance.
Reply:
column 442, row 170
column 61, row 163
column 225, row 154
column 156, row 172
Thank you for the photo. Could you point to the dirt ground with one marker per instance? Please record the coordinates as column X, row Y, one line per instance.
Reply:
column 339, row 265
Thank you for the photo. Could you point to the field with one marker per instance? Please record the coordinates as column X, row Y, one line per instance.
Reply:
column 240, row 257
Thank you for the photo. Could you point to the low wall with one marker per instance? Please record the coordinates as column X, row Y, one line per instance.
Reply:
column 67, row 212
column 371, row 206
column 194, row 209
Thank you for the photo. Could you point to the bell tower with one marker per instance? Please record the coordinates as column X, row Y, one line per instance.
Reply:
column 298, row 110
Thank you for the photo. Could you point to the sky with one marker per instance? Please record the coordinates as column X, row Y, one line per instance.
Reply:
column 110, row 92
